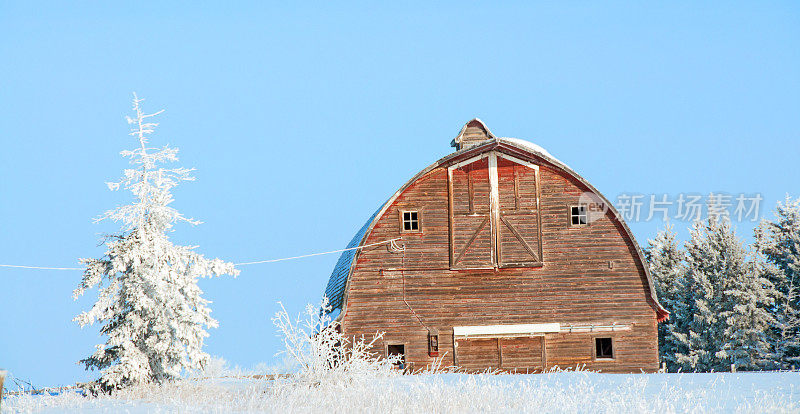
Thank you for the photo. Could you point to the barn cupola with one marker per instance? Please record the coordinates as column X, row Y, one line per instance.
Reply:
column 473, row 133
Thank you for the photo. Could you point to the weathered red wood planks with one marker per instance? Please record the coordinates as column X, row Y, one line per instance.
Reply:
column 557, row 272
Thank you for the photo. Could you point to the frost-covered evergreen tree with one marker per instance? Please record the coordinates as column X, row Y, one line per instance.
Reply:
column 745, row 310
column 778, row 244
column 726, row 310
column 149, row 306
column 666, row 264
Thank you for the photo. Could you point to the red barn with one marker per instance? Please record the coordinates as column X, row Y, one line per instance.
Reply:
column 503, row 258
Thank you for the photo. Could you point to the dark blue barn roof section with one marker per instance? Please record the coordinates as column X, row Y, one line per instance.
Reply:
column 338, row 281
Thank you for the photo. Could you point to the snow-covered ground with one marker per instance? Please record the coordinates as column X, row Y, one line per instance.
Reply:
column 319, row 378
column 448, row 392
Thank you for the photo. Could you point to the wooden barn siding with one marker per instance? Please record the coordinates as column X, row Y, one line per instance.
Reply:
column 575, row 285
column 473, row 134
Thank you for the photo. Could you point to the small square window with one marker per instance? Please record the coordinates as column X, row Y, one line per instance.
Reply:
column 604, row 348
column 410, row 221
column 578, row 215
column 398, row 350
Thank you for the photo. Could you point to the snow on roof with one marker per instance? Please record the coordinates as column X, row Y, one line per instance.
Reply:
column 530, row 146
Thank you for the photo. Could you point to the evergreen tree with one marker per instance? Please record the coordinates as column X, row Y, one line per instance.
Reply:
column 745, row 309
column 698, row 313
column 665, row 261
column 778, row 244
column 149, row 303
column 726, row 311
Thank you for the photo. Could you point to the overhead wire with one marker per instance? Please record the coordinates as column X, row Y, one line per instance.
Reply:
column 392, row 241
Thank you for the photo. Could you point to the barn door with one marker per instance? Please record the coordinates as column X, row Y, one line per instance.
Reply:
column 513, row 354
column 519, row 237
column 471, row 231
column 523, row 354
column 494, row 213
column 477, row 354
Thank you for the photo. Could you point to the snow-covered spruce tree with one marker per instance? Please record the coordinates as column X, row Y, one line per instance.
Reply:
column 149, row 303
column 778, row 246
column 666, row 264
column 726, row 310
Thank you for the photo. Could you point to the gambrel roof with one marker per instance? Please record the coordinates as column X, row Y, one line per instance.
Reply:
column 336, row 291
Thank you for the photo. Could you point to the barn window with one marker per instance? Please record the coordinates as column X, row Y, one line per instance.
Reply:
column 578, row 215
column 410, row 220
column 397, row 349
column 604, row 348
column 433, row 342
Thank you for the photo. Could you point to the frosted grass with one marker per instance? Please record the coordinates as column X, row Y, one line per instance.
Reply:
column 322, row 376
column 775, row 392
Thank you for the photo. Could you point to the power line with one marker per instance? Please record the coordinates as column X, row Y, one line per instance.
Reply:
column 317, row 254
column 235, row 264
column 42, row 268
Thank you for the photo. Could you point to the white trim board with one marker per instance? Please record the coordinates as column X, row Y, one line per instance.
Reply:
column 468, row 161
column 508, row 330
column 582, row 328
column 535, row 329
column 518, row 161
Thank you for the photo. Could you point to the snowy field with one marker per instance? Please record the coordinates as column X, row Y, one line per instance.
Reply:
column 456, row 393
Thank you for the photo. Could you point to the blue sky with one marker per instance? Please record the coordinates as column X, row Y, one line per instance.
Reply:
column 302, row 119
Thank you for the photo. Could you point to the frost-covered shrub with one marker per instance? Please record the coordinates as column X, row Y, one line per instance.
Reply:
column 323, row 355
